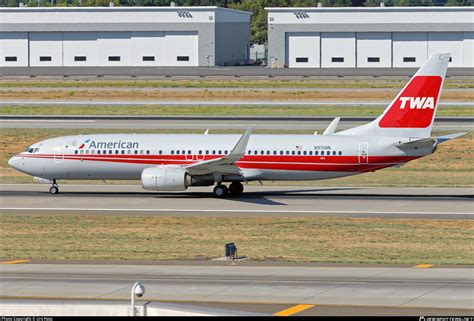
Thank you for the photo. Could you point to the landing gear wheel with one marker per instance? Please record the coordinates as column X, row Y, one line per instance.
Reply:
column 54, row 189
column 220, row 191
column 236, row 189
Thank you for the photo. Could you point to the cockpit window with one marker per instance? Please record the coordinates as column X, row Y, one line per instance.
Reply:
column 30, row 150
column 36, row 150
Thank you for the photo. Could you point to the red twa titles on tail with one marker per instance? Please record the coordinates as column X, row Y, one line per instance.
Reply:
column 415, row 105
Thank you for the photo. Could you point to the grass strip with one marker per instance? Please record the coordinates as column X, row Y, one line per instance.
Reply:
column 295, row 239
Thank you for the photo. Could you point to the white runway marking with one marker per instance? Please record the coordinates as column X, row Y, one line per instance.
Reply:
column 79, row 209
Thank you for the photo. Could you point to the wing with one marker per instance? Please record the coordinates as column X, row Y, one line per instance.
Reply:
column 226, row 164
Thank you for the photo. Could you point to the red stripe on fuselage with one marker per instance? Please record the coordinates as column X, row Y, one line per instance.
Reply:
column 269, row 162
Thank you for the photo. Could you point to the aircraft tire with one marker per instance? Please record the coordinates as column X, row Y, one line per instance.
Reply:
column 54, row 189
column 220, row 191
column 236, row 188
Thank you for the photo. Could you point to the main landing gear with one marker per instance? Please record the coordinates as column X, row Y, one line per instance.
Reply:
column 54, row 189
column 234, row 189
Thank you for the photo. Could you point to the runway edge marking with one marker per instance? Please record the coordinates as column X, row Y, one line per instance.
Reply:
column 223, row 211
column 293, row 310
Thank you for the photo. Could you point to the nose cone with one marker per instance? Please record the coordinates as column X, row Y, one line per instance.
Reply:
column 13, row 162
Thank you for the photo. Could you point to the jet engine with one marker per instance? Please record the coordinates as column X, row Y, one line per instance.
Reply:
column 166, row 178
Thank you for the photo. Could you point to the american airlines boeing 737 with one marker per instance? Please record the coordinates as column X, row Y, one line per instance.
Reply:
column 175, row 162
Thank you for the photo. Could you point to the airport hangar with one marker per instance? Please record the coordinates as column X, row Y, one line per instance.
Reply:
column 123, row 36
column 384, row 37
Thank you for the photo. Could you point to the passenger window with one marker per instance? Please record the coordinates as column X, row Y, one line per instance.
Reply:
column 328, row 153
column 75, row 152
column 299, row 152
column 249, row 152
column 292, row 152
column 287, row 152
column 225, row 152
column 189, row 152
column 160, row 152
column 177, row 152
column 87, row 151
column 148, row 152
column 274, row 152
column 183, row 152
column 281, row 152
column 207, row 152
column 213, row 152
column 123, row 152
column 200, row 152
column 334, row 152
column 82, row 151
column 304, row 152
column 316, row 153
column 92, row 152
column 104, row 152
column 340, row 152
column 116, row 152
column 255, row 152
column 172, row 152
column 268, row 152
column 136, row 152
column 220, row 152
column 310, row 152
column 262, row 152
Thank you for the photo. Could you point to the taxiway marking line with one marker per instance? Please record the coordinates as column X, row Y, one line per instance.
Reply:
column 293, row 310
column 79, row 209
column 423, row 266
column 15, row 262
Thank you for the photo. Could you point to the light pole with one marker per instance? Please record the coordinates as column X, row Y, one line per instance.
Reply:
column 139, row 290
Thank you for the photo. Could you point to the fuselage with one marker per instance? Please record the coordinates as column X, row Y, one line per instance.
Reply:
column 267, row 157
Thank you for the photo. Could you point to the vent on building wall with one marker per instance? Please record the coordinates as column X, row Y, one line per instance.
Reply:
column 409, row 59
column 182, row 58
column 373, row 59
column 148, row 58
column 10, row 59
column 114, row 58
column 337, row 59
column 45, row 58
column 301, row 59
column 80, row 58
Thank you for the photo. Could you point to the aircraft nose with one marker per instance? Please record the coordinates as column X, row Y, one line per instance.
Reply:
column 13, row 162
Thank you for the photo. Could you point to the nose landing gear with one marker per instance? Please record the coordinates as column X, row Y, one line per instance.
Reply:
column 54, row 189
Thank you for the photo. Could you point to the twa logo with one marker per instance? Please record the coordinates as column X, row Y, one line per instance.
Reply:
column 415, row 105
column 417, row 102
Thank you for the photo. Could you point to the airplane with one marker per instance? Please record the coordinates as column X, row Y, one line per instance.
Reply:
column 175, row 162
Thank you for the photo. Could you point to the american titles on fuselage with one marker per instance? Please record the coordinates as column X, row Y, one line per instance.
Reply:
column 114, row 145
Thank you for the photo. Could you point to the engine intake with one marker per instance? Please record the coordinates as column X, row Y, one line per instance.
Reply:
column 166, row 178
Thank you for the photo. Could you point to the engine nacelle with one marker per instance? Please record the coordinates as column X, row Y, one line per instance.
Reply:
column 166, row 178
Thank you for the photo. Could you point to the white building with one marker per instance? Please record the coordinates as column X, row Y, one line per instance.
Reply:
column 390, row 37
column 123, row 36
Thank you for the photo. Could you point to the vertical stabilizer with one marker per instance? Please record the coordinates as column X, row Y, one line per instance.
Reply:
column 412, row 112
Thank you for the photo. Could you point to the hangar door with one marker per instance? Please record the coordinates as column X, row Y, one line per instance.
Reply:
column 302, row 49
column 181, row 49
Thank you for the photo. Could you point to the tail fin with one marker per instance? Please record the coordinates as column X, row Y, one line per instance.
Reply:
column 411, row 113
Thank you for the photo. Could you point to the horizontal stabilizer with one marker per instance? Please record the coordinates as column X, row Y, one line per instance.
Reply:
column 445, row 138
column 332, row 127
column 420, row 143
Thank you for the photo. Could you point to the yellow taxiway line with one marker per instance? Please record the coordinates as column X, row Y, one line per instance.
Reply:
column 293, row 310
column 15, row 262
column 423, row 266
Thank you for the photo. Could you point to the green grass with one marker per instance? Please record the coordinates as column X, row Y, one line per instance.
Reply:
column 273, row 83
column 250, row 110
column 295, row 239
column 451, row 165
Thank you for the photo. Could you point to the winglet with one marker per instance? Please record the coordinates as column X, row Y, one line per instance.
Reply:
column 239, row 149
column 332, row 126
